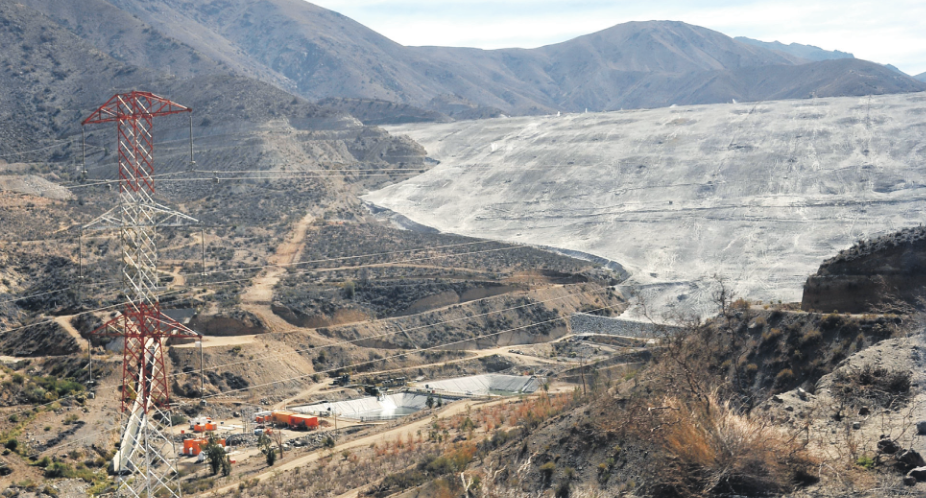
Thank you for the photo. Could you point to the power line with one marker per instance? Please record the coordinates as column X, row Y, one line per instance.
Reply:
column 262, row 267
column 343, row 367
column 21, row 152
column 350, row 365
column 204, row 284
column 379, row 336
column 312, row 173
column 297, row 377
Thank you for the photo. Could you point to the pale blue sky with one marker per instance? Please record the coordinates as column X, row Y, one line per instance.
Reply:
column 892, row 31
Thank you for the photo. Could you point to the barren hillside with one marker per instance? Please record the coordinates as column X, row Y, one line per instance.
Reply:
column 317, row 53
column 754, row 193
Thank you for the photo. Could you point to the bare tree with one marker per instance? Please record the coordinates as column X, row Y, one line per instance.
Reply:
column 722, row 296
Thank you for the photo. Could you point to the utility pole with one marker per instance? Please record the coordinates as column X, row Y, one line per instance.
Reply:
column 90, row 367
column 80, row 264
column 582, row 371
column 203, row 244
column 192, row 162
column 202, row 374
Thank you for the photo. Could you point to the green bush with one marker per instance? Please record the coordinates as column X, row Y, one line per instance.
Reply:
column 58, row 469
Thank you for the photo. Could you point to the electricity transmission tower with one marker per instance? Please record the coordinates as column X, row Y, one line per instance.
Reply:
column 146, row 460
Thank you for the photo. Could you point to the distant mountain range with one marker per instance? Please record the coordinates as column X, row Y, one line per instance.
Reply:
column 808, row 52
column 921, row 77
column 317, row 54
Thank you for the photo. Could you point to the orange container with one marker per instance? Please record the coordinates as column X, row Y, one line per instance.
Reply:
column 303, row 422
column 281, row 416
column 208, row 426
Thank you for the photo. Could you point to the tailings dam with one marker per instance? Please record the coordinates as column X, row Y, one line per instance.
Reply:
column 755, row 193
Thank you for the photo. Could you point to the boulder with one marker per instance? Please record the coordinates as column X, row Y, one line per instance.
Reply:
column 921, row 428
column 918, row 473
column 888, row 446
column 912, row 459
column 909, row 481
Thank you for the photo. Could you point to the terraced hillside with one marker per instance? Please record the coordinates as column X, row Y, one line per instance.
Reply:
column 757, row 194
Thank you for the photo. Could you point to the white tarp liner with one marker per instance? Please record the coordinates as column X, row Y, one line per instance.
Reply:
column 483, row 385
column 389, row 406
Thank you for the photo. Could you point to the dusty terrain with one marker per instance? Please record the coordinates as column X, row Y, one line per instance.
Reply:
column 757, row 194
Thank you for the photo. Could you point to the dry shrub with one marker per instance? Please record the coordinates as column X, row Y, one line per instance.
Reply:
column 714, row 449
column 873, row 384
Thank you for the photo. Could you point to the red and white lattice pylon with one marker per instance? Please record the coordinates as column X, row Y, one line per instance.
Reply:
column 146, row 460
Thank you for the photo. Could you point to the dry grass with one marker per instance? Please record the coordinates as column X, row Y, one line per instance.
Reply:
column 715, row 449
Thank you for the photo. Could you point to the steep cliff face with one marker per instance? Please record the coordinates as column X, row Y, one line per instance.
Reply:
column 873, row 275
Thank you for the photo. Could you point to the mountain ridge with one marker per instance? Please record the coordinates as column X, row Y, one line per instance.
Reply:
column 809, row 52
column 318, row 53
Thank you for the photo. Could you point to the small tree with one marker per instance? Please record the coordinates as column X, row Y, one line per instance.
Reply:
column 215, row 453
column 440, row 401
column 266, row 447
column 278, row 439
column 430, row 401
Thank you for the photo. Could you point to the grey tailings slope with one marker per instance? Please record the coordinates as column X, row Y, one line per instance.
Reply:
column 757, row 193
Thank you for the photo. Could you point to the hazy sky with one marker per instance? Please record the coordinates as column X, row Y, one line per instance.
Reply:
column 885, row 31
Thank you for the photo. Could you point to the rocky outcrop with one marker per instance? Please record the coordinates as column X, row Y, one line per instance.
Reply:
column 230, row 323
column 42, row 339
column 874, row 275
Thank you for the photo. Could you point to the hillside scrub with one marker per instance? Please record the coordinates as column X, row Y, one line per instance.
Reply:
column 689, row 423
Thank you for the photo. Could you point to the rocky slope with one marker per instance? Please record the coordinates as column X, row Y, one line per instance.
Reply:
column 808, row 52
column 885, row 273
column 317, row 53
column 379, row 112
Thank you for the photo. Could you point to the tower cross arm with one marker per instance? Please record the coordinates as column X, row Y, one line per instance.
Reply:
column 134, row 105
column 146, row 321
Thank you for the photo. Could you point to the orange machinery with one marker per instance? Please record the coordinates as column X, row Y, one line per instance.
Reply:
column 193, row 447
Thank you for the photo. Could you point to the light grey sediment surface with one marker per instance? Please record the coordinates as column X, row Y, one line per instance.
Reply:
column 758, row 193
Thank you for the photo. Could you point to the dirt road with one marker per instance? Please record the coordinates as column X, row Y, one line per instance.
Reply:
column 261, row 289
column 390, row 435
column 65, row 323
column 210, row 341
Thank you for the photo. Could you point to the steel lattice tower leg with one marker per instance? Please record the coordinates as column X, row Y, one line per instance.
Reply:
column 146, row 460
